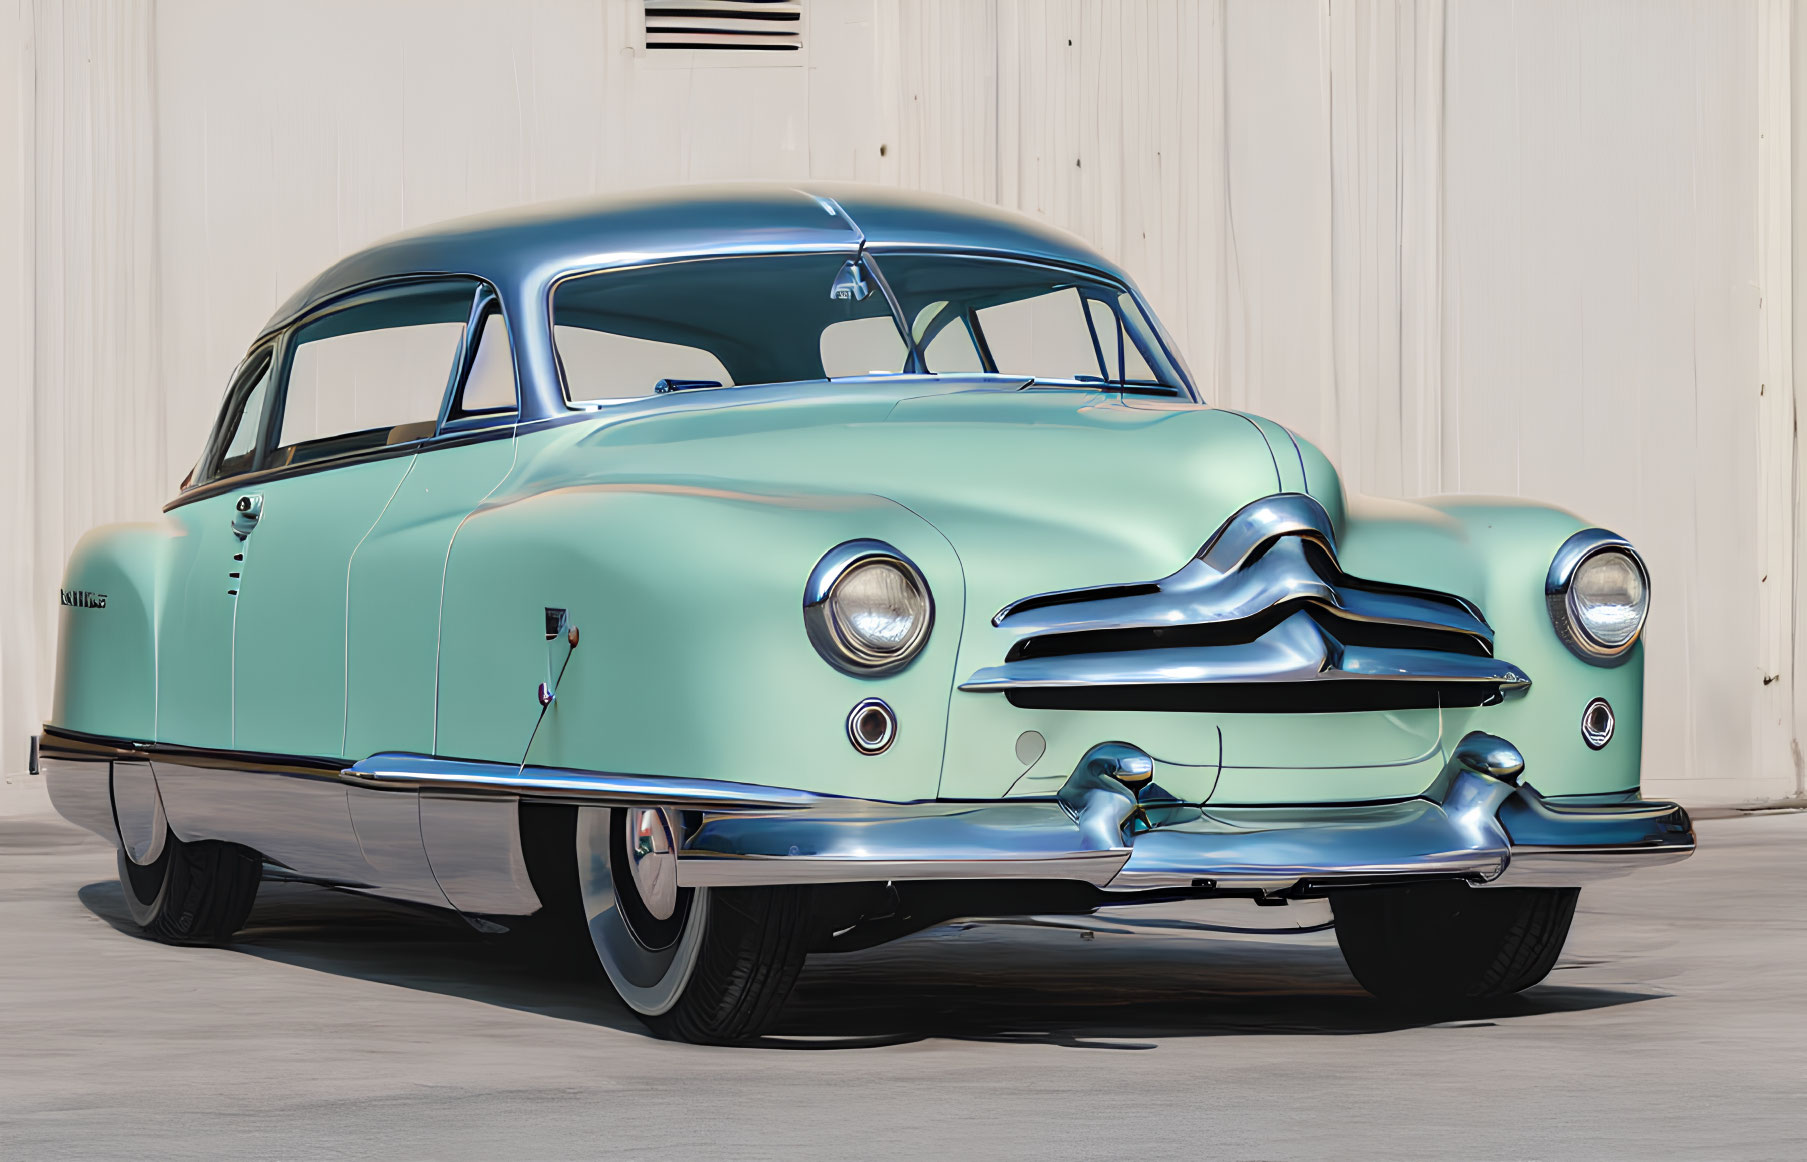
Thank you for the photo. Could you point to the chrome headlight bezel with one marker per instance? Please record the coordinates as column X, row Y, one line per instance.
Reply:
column 837, row 647
column 1559, row 596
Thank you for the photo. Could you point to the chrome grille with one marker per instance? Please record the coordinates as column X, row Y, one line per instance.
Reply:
column 1262, row 619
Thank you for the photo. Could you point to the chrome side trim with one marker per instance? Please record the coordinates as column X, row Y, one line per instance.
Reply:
column 1296, row 650
column 409, row 772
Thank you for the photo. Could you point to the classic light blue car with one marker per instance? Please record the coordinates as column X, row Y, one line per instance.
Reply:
column 758, row 571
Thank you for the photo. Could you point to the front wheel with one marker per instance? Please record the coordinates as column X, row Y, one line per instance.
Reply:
column 712, row 966
column 1442, row 946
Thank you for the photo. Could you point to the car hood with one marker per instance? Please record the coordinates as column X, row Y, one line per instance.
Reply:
column 1036, row 489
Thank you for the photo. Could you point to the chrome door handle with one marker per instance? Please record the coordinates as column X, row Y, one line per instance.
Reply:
column 245, row 514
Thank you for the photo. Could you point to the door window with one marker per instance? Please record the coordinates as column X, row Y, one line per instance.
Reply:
column 372, row 373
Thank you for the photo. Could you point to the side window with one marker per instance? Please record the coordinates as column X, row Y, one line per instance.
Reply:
column 869, row 346
column 371, row 373
column 1046, row 336
column 947, row 346
column 234, row 449
column 1123, row 359
column 601, row 364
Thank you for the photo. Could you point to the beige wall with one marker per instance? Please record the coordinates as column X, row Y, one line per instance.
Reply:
column 1536, row 247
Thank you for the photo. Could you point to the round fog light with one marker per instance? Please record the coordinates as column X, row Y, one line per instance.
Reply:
column 1597, row 723
column 872, row 726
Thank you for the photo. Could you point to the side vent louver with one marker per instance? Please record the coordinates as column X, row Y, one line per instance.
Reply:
column 739, row 25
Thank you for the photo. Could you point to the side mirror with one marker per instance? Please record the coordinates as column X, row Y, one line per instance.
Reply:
column 850, row 285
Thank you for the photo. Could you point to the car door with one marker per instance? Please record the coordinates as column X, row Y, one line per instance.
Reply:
column 398, row 571
column 356, row 388
column 425, row 845
column 362, row 388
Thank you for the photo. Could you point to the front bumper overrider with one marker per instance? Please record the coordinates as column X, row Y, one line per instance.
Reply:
column 1111, row 826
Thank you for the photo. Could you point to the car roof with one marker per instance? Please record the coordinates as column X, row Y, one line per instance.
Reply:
column 526, row 247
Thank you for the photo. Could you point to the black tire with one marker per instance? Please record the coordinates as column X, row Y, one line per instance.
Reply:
column 717, row 971
column 752, row 952
column 193, row 893
column 1445, row 947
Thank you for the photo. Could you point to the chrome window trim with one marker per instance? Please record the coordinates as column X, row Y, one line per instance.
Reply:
column 1563, row 567
column 484, row 302
column 849, row 657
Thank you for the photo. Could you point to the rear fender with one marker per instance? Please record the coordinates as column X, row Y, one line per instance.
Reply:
column 106, row 672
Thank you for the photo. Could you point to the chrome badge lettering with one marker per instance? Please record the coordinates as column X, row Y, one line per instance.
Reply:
column 82, row 599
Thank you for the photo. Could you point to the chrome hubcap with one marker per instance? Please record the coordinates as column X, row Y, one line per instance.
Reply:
column 647, row 932
column 652, row 853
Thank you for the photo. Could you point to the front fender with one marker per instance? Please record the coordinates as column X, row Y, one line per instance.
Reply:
column 1497, row 553
column 692, row 657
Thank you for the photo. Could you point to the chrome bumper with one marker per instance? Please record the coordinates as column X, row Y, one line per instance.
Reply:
column 1110, row 826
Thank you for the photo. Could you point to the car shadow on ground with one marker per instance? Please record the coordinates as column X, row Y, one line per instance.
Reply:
column 1079, row 985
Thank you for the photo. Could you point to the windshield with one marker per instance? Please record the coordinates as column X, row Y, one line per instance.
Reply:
column 723, row 322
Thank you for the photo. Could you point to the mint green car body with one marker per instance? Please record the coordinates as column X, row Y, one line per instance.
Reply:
column 675, row 500
column 390, row 668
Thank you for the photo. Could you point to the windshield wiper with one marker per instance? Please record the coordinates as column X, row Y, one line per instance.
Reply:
column 670, row 385
column 1131, row 386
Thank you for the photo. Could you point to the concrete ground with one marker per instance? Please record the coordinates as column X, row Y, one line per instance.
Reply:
column 1675, row 1025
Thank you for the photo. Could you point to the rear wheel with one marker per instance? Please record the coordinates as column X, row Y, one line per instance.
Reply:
column 191, row 893
column 1443, row 946
column 712, row 966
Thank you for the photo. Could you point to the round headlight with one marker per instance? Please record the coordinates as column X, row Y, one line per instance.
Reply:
column 867, row 608
column 1599, row 594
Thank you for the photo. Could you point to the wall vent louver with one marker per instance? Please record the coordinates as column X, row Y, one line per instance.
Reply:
column 735, row 25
